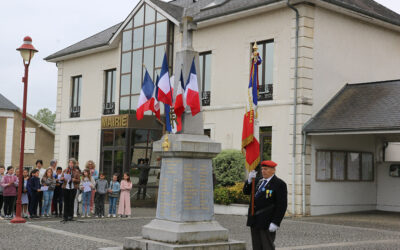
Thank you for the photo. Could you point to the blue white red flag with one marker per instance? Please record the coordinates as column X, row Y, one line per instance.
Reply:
column 253, row 84
column 164, row 85
column 169, row 126
column 156, row 104
column 179, row 106
column 145, row 99
column 192, row 91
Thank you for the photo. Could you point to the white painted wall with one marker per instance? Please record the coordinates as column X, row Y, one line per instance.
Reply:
column 341, row 197
column 88, row 125
column 388, row 189
column 393, row 152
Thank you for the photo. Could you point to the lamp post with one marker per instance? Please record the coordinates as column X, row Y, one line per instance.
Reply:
column 27, row 51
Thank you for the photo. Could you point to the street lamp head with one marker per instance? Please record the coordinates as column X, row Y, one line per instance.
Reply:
column 27, row 50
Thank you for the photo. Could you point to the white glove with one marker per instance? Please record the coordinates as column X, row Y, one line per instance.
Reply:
column 252, row 175
column 273, row 227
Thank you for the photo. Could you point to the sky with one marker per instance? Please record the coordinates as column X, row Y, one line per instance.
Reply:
column 54, row 25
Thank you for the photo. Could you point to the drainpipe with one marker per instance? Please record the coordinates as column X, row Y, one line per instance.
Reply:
column 303, row 172
column 295, row 105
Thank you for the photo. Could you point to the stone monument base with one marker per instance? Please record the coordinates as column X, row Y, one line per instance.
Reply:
column 184, row 232
column 138, row 243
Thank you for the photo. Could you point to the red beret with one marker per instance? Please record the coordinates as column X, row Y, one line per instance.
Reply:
column 270, row 164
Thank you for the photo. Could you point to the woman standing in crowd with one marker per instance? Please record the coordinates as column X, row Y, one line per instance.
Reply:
column 113, row 194
column 101, row 190
column 95, row 175
column 24, row 197
column 33, row 188
column 124, row 208
column 2, row 169
column 9, row 183
column 49, row 182
column 39, row 166
column 86, row 186
column 71, row 180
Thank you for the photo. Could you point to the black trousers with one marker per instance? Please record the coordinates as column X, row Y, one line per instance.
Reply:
column 99, row 204
column 262, row 239
column 69, row 196
column 40, row 201
column 9, row 205
column 1, row 202
column 33, row 203
column 58, row 200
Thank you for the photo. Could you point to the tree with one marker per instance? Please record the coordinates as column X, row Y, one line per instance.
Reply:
column 46, row 117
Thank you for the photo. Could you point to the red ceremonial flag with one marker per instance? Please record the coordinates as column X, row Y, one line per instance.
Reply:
column 250, row 144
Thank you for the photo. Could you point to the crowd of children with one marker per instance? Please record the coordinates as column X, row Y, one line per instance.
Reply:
column 58, row 192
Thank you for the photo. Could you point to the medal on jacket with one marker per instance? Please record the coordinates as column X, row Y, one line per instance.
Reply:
column 268, row 193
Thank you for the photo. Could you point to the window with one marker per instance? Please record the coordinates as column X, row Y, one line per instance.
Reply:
column 76, row 96
column 207, row 132
column 344, row 166
column 74, row 147
column 265, row 69
column 265, row 143
column 109, row 99
column 205, row 76
column 145, row 39
column 30, row 140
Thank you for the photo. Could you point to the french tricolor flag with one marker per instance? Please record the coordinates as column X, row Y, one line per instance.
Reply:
column 192, row 91
column 145, row 99
column 179, row 106
column 164, row 85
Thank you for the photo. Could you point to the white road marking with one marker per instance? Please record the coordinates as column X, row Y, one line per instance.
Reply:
column 341, row 244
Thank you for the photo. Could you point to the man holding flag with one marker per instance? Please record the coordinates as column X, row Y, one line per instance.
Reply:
column 269, row 196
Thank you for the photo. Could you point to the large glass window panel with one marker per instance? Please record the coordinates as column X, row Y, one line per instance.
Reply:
column 160, row 17
column 137, row 71
column 161, row 32
column 353, row 166
column 140, row 137
column 124, row 105
column 138, row 38
column 138, row 19
column 129, row 25
column 148, row 60
column 323, row 165
column 149, row 35
column 126, row 62
column 367, row 167
column 120, row 137
column 107, row 164
column 125, row 84
column 150, row 15
column 338, row 165
column 160, row 50
column 139, row 154
column 269, row 63
column 127, row 40
column 108, row 138
column 119, row 163
column 134, row 102
column 207, row 73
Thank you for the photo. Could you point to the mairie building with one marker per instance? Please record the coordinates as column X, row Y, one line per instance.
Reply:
column 329, row 98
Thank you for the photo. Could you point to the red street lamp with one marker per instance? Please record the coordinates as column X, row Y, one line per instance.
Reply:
column 27, row 51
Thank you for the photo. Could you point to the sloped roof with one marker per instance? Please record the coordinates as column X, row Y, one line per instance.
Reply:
column 202, row 10
column 6, row 104
column 100, row 39
column 360, row 107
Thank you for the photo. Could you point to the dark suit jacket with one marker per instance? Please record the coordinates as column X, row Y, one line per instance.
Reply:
column 269, row 206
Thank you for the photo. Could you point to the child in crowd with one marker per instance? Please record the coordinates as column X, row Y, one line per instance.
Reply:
column 101, row 190
column 124, row 208
column 33, row 188
column 24, row 197
column 2, row 169
column 49, row 182
column 86, row 186
column 95, row 175
column 113, row 194
column 58, row 193
column 78, row 195
column 9, row 182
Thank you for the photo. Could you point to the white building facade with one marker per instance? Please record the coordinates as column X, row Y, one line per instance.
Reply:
column 99, row 81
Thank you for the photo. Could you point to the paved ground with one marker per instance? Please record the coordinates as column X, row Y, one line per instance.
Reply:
column 373, row 230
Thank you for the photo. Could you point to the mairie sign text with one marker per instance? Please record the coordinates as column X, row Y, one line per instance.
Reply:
column 117, row 121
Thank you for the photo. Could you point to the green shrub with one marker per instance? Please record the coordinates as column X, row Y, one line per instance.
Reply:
column 229, row 167
column 229, row 195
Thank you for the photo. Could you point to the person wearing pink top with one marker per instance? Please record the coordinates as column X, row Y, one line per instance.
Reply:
column 124, row 208
column 9, row 182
